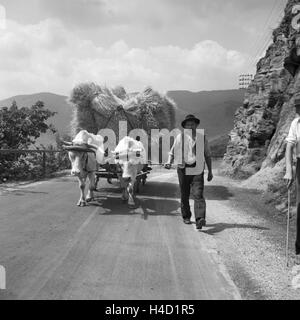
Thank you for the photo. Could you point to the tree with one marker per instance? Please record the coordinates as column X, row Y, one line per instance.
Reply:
column 20, row 127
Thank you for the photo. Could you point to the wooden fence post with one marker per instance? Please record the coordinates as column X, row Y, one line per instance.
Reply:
column 16, row 152
column 44, row 164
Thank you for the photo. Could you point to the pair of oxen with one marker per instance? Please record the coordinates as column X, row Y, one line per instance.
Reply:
column 86, row 152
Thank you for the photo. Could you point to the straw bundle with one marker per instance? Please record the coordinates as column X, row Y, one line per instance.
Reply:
column 99, row 107
column 153, row 110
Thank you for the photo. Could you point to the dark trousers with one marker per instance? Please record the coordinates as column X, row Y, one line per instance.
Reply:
column 192, row 185
column 298, row 207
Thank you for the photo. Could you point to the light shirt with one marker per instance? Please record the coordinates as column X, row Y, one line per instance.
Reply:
column 294, row 136
column 189, row 152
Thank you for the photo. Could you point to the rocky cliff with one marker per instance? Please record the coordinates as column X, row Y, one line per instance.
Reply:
column 257, row 142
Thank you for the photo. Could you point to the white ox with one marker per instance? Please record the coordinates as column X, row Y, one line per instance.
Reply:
column 130, row 156
column 85, row 151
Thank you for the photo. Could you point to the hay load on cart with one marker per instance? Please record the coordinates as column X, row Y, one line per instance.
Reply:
column 97, row 107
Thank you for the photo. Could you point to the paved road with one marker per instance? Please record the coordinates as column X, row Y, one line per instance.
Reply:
column 52, row 249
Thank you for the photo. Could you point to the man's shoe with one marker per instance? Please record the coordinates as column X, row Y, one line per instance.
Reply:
column 187, row 221
column 200, row 224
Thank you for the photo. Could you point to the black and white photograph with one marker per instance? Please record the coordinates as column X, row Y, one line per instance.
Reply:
column 150, row 151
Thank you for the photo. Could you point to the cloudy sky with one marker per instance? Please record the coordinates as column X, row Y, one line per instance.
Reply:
column 51, row 45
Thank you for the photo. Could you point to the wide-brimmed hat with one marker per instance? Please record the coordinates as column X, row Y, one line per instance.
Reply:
column 190, row 117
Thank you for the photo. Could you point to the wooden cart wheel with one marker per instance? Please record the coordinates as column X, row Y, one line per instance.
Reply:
column 137, row 186
column 144, row 180
column 109, row 180
column 96, row 182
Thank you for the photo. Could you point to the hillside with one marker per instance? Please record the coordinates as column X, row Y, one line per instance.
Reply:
column 216, row 109
column 53, row 102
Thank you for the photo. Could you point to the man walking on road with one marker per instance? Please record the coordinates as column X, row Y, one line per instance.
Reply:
column 191, row 183
column 293, row 142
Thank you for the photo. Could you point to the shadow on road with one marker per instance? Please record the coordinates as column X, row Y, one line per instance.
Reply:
column 162, row 203
column 217, row 193
column 160, row 207
column 144, row 207
column 151, row 189
column 219, row 227
column 160, row 189
column 171, row 190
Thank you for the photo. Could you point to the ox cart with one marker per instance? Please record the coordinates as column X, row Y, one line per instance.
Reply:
column 109, row 172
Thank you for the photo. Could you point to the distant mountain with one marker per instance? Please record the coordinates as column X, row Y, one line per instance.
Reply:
column 216, row 109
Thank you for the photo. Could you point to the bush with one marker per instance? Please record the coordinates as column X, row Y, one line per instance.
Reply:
column 30, row 166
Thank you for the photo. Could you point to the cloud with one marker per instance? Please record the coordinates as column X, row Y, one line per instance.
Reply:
column 112, row 12
column 142, row 23
column 49, row 57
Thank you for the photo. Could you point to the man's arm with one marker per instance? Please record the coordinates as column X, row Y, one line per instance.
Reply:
column 207, row 156
column 171, row 157
column 289, row 177
column 291, row 143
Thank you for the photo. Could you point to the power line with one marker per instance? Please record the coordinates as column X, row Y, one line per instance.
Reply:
column 263, row 34
column 269, row 39
column 264, row 41
column 267, row 36
column 258, row 39
column 264, row 45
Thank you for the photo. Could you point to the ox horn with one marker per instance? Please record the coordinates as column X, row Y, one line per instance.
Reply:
column 90, row 146
column 66, row 143
column 136, row 150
